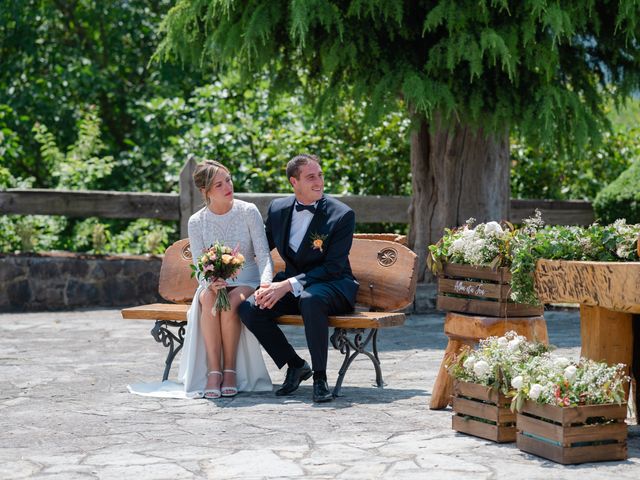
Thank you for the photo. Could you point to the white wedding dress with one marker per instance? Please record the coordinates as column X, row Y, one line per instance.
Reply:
column 241, row 226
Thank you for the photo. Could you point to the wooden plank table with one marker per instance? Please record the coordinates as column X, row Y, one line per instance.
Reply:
column 609, row 298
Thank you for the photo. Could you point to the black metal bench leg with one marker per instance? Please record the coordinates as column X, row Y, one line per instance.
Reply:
column 162, row 334
column 341, row 341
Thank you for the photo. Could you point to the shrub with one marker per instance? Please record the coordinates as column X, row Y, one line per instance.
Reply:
column 621, row 198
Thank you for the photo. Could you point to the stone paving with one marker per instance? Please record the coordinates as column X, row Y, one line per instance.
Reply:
column 65, row 413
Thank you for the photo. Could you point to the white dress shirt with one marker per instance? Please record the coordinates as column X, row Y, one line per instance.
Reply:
column 300, row 221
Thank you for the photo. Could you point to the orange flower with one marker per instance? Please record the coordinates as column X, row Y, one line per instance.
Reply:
column 317, row 241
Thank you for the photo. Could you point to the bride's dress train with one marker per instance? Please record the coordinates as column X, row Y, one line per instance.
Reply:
column 252, row 374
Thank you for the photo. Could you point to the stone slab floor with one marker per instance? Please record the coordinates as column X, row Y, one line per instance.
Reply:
column 65, row 413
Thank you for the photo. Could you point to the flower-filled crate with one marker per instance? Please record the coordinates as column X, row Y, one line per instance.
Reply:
column 570, row 435
column 483, row 412
column 481, row 291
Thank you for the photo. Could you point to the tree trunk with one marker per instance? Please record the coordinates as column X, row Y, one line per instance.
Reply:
column 458, row 173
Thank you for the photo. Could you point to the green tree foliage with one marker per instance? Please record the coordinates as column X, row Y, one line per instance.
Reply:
column 251, row 133
column 542, row 172
column 539, row 172
column 621, row 198
column 543, row 66
column 59, row 56
column 255, row 136
column 80, row 167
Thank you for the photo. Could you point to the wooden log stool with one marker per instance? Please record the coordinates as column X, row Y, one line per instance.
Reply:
column 465, row 329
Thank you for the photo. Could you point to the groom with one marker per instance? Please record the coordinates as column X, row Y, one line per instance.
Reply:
column 313, row 235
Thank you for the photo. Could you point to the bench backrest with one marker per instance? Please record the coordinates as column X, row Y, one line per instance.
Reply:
column 385, row 270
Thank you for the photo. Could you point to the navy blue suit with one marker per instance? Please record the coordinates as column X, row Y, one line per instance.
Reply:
column 329, row 285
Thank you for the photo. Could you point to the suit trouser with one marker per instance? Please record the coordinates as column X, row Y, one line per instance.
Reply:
column 316, row 304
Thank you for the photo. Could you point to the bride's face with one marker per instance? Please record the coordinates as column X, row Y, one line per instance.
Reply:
column 221, row 190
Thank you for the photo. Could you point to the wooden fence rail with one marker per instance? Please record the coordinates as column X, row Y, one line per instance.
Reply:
column 167, row 206
column 173, row 206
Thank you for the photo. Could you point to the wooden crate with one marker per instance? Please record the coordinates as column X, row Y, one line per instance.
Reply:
column 569, row 435
column 481, row 291
column 483, row 412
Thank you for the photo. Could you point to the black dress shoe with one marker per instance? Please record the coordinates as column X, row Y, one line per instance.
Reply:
column 293, row 378
column 321, row 392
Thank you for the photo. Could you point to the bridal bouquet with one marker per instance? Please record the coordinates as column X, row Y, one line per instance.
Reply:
column 218, row 262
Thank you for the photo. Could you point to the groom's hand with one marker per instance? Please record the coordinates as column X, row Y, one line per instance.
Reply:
column 268, row 295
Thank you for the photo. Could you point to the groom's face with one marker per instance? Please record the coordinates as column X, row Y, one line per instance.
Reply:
column 309, row 185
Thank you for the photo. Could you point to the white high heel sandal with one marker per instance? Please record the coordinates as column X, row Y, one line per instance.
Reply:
column 213, row 392
column 229, row 391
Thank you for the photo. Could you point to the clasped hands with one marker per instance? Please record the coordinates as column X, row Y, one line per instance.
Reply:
column 268, row 294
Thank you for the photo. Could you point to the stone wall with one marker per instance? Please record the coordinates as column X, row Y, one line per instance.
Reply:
column 55, row 281
column 63, row 280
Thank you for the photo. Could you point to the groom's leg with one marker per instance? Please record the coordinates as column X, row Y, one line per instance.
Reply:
column 317, row 303
column 262, row 323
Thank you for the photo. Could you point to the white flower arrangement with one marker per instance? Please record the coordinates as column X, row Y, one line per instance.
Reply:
column 494, row 362
column 477, row 246
column 501, row 245
column 527, row 370
column 551, row 380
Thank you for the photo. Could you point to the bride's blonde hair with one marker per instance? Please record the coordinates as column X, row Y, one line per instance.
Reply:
column 204, row 174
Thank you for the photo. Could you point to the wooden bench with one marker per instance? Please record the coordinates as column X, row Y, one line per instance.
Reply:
column 385, row 270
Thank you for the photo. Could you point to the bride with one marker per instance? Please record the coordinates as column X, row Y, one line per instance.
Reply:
column 220, row 356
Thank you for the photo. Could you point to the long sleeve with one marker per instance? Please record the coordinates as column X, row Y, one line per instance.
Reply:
column 260, row 244
column 196, row 244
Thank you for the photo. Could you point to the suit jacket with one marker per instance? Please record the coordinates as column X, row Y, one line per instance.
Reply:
column 334, row 222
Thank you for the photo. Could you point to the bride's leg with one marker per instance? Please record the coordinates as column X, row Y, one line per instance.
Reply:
column 230, row 326
column 210, row 327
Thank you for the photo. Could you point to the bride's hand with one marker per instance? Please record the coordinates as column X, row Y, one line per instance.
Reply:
column 216, row 284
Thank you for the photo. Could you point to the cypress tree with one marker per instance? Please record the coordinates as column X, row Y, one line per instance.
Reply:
column 467, row 71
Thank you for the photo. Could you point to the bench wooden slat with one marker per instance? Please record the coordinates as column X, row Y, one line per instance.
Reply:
column 354, row 320
column 157, row 311
column 178, row 313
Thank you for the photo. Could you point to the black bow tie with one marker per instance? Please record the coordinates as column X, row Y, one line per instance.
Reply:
column 300, row 207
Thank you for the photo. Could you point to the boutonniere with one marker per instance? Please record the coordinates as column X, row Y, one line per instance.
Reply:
column 317, row 241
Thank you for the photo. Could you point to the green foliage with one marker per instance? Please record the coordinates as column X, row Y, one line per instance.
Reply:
column 56, row 57
column 621, row 198
column 538, row 65
column 140, row 237
column 81, row 166
column 543, row 172
column 10, row 146
column 546, row 67
column 30, row 233
column 144, row 236
column 255, row 136
column 547, row 173
column 42, row 233
column 614, row 243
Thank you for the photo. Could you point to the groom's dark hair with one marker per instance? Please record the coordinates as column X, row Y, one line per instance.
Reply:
column 293, row 166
